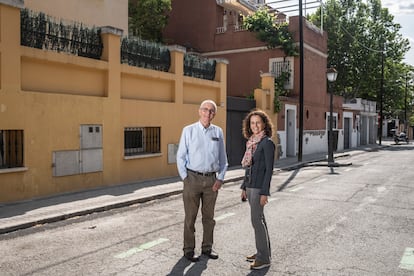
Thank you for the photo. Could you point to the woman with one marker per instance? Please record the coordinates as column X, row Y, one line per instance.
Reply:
column 258, row 163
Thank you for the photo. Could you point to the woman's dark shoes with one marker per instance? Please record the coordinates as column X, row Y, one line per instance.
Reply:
column 211, row 254
column 259, row 265
column 251, row 258
column 191, row 257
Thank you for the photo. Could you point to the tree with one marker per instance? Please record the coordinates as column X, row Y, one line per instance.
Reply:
column 263, row 24
column 147, row 18
column 359, row 33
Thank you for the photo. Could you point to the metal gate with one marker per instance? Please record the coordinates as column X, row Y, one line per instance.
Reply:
column 237, row 109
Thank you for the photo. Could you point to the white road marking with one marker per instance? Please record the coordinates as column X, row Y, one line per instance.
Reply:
column 407, row 260
column 342, row 219
column 333, row 226
column 226, row 215
column 321, row 180
column 140, row 248
column 296, row 189
column 367, row 200
column 330, row 228
column 381, row 189
column 188, row 268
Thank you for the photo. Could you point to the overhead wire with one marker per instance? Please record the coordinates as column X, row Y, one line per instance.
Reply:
column 323, row 5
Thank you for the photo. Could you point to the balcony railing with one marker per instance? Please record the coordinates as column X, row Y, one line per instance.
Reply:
column 280, row 21
column 239, row 28
column 220, row 30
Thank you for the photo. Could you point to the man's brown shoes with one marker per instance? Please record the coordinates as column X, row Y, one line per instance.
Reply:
column 191, row 257
column 211, row 254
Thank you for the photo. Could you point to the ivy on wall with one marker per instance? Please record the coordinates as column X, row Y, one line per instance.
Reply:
column 268, row 30
column 274, row 34
column 280, row 90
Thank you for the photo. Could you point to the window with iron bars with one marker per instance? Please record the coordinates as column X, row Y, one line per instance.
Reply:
column 334, row 122
column 11, row 149
column 280, row 65
column 142, row 140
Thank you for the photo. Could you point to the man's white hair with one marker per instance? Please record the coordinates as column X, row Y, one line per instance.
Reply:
column 210, row 102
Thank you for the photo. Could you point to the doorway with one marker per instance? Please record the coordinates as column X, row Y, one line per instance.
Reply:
column 290, row 131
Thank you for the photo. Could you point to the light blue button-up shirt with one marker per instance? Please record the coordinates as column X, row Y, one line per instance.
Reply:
column 202, row 150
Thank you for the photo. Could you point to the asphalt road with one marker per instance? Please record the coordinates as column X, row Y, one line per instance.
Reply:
column 351, row 220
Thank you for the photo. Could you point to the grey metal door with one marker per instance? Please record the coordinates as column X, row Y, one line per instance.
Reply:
column 290, row 132
column 237, row 109
column 347, row 125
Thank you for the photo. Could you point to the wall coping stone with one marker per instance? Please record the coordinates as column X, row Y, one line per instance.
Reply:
column 267, row 75
column 13, row 3
column 222, row 60
column 177, row 48
column 111, row 30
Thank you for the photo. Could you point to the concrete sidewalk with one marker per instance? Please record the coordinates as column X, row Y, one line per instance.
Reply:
column 26, row 214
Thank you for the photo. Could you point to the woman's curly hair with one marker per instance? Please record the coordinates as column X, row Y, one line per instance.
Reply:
column 247, row 132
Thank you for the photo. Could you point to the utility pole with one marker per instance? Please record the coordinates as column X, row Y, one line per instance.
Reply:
column 405, row 105
column 300, row 149
column 381, row 95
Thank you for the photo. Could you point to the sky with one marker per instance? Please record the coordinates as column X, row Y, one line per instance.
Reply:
column 402, row 10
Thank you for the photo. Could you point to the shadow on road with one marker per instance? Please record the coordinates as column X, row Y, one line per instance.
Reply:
column 185, row 267
column 260, row 272
column 291, row 177
column 399, row 147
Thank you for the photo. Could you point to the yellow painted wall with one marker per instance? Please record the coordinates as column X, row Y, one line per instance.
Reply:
column 50, row 95
column 264, row 97
column 43, row 71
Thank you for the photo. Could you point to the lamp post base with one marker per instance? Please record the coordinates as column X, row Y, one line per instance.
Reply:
column 333, row 164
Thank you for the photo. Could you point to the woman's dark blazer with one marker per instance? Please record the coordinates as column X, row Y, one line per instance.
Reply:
column 262, row 167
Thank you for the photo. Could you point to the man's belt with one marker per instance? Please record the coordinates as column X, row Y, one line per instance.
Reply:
column 201, row 173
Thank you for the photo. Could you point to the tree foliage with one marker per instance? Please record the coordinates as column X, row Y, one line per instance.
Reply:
column 147, row 18
column 263, row 23
column 359, row 33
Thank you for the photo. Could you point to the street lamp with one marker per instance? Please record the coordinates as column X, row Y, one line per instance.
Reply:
column 331, row 74
column 405, row 105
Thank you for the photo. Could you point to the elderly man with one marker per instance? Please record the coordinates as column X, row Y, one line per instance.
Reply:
column 202, row 164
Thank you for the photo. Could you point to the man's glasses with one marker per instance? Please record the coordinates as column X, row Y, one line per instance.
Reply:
column 205, row 110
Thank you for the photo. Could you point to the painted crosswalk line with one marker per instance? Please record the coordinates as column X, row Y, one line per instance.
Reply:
column 226, row 215
column 407, row 260
column 140, row 248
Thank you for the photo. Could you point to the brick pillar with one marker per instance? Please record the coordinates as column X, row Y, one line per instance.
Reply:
column 264, row 96
column 177, row 67
column 112, row 106
column 264, row 100
column 221, row 76
column 10, row 69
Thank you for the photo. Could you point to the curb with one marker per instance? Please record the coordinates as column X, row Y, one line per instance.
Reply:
column 129, row 202
column 106, row 207
column 88, row 211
